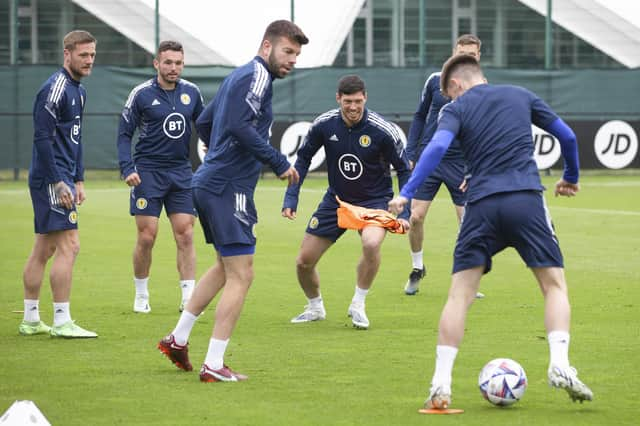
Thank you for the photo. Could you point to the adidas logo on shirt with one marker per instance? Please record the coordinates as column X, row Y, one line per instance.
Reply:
column 155, row 102
column 333, row 138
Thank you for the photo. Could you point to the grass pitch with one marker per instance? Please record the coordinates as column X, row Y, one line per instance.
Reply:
column 326, row 372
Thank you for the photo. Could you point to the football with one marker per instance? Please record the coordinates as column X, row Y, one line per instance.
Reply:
column 502, row 381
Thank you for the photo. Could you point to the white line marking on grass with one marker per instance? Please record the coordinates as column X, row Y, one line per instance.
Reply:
column 597, row 211
column 622, row 183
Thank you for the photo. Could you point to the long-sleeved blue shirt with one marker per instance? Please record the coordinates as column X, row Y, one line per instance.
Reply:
column 163, row 118
column 235, row 127
column 425, row 121
column 358, row 157
column 57, row 137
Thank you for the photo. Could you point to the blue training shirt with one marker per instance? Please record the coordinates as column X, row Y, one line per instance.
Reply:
column 425, row 121
column 235, row 127
column 493, row 124
column 358, row 157
column 163, row 118
column 57, row 137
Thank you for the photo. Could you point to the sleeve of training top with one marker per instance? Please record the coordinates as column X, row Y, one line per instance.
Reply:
column 429, row 160
column 245, row 105
column 129, row 120
column 204, row 122
column 417, row 125
column 79, row 177
column 568, row 147
column 45, row 119
column 396, row 155
column 199, row 107
column 313, row 141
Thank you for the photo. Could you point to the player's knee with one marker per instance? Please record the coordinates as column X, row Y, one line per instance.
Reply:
column 146, row 238
column 416, row 219
column 69, row 247
column 371, row 248
column 303, row 264
column 184, row 238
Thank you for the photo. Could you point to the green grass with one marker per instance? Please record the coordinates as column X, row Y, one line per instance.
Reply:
column 326, row 372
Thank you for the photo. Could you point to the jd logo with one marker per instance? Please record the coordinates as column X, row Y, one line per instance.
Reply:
column 292, row 140
column 616, row 144
column 546, row 148
column 174, row 125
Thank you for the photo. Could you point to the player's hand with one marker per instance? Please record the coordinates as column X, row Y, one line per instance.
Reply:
column 464, row 185
column 289, row 213
column 133, row 179
column 566, row 189
column 396, row 205
column 80, row 194
column 405, row 224
column 291, row 175
column 64, row 194
column 411, row 165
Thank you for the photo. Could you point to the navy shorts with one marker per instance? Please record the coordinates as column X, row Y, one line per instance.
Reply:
column 509, row 219
column 48, row 214
column 451, row 173
column 324, row 221
column 227, row 219
column 171, row 188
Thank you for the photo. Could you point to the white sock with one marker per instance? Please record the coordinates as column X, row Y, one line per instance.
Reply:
column 187, row 288
column 183, row 327
column 141, row 286
column 416, row 259
column 316, row 302
column 215, row 354
column 445, row 357
column 31, row 310
column 559, row 348
column 360, row 295
column 61, row 313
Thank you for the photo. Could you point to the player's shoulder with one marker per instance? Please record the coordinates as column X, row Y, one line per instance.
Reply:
column 55, row 86
column 326, row 117
column 433, row 79
column 378, row 122
column 138, row 90
column 252, row 77
column 188, row 85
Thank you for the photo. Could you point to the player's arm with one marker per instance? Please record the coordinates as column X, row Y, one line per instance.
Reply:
column 313, row 141
column 128, row 123
column 204, row 123
column 417, row 125
column 44, row 121
column 245, row 106
column 79, row 177
column 198, row 107
column 544, row 117
column 397, row 156
column 568, row 185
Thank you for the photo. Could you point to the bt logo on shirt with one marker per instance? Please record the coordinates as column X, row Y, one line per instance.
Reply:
column 174, row 125
column 75, row 130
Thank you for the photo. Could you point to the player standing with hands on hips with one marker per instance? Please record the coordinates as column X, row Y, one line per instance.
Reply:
column 56, row 184
column 505, row 208
column 159, row 173
column 235, row 128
